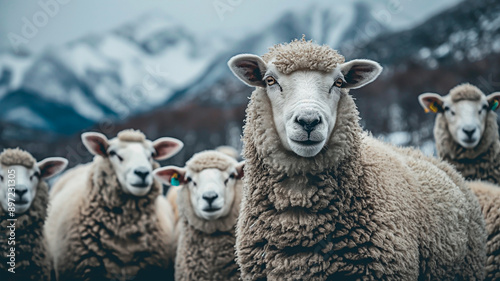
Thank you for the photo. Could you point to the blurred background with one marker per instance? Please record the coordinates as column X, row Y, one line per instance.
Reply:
column 69, row 66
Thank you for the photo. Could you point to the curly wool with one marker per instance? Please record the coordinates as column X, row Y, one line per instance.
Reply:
column 17, row 156
column 131, row 135
column 303, row 55
column 483, row 161
column 359, row 210
column 205, row 249
column 489, row 199
column 32, row 259
column 109, row 234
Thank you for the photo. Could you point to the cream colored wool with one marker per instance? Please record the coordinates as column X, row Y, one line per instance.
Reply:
column 303, row 55
column 358, row 210
column 205, row 249
column 489, row 199
column 97, row 232
column 32, row 259
column 481, row 162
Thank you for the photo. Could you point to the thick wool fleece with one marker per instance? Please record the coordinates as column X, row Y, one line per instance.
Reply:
column 481, row 162
column 303, row 55
column 32, row 259
column 98, row 232
column 205, row 249
column 359, row 210
column 489, row 199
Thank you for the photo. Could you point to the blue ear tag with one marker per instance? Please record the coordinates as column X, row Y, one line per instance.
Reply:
column 494, row 105
column 174, row 180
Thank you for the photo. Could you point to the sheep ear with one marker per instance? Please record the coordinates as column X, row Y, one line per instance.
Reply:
column 239, row 169
column 96, row 143
column 494, row 100
column 248, row 68
column 51, row 166
column 358, row 73
column 166, row 148
column 171, row 175
column 431, row 102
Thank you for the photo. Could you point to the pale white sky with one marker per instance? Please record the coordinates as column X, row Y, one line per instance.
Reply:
column 80, row 17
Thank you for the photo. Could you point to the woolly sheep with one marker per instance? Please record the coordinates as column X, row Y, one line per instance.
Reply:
column 109, row 221
column 489, row 199
column 23, row 177
column 466, row 130
column 324, row 201
column 208, row 204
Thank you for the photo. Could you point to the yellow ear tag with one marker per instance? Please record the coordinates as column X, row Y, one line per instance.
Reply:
column 174, row 180
column 433, row 107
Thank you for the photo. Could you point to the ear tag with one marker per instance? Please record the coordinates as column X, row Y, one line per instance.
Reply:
column 434, row 107
column 494, row 105
column 174, row 180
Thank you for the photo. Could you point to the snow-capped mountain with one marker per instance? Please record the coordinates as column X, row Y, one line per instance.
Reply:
column 112, row 75
column 153, row 61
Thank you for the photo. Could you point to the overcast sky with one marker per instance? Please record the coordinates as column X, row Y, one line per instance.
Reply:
column 80, row 17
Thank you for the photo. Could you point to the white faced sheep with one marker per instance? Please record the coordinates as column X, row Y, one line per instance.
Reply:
column 209, row 203
column 24, row 199
column 466, row 134
column 466, row 130
column 324, row 201
column 109, row 222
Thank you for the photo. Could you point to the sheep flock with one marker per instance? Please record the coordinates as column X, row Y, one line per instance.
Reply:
column 313, row 197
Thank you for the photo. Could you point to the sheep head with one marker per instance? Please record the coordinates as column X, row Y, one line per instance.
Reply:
column 20, row 175
column 304, row 83
column 132, row 156
column 465, row 110
column 211, row 178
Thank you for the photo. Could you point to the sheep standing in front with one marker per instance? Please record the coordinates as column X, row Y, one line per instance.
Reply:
column 324, row 201
column 208, row 203
column 466, row 130
column 108, row 222
column 24, row 199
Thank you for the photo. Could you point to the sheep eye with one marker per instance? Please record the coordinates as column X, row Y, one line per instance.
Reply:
column 232, row 176
column 1, row 178
column 338, row 83
column 226, row 181
column 446, row 108
column 270, row 81
column 113, row 153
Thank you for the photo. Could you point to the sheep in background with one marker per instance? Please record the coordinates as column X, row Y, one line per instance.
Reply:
column 324, row 201
column 109, row 221
column 19, row 170
column 208, row 203
column 466, row 130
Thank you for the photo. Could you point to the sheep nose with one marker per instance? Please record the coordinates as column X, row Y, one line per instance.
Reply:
column 210, row 196
column 142, row 172
column 21, row 190
column 308, row 122
column 469, row 132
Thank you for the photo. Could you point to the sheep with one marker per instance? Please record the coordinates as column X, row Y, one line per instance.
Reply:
column 323, row 200
column 174, row 189
column 108, row 222
column 489, row 199
column 466, row 130
column 466, row 134
column 24, row 199
column 208, row 203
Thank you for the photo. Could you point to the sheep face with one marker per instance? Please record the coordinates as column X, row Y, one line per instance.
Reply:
column 132, row 161
column 465, row 118
column 304, row 102
column 18, row 184
column 211, row 190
